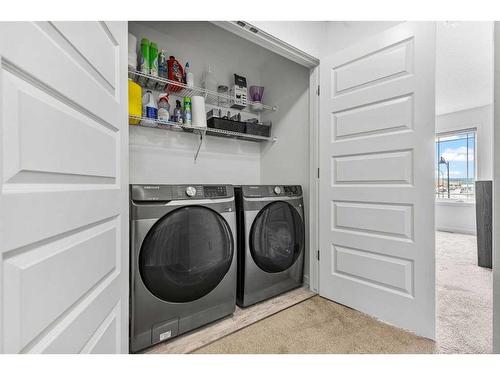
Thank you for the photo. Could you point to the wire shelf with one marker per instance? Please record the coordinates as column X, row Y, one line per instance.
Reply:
column 180, row 89
column 174, row 126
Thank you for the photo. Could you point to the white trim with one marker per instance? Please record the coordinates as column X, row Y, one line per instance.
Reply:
column 269, row 42
column 455, row 203
column 496, row 189
column 313, row 179
column 455, row 131
column 306, row 282
column 456, row 230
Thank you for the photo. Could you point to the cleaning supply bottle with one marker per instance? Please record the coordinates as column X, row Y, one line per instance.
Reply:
column 151, row 108
column 144, row 56
column 145, row 101
column 188, row 76
column 134, row 102
column 177, row 117
column 163, row 107
column 143, row 60
column 153, row 59
column 163, row 64
column 175, row 73
column 187, row 110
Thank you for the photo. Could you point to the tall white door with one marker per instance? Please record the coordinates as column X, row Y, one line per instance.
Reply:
column 377, row 177
column 63, row 187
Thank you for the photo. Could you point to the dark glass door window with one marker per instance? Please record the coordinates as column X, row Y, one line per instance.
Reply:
column 277, row 237
column 186, row 254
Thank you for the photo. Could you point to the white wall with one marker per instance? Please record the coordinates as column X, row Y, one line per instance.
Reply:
column 161, row 157
column 457, row 217
column 461, row 217
column 308, row 36
column 464, row 79
column 464, row 63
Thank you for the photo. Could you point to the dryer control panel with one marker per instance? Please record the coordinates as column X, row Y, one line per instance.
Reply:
column 216, row 191
column 255, row 191
column 151, row 193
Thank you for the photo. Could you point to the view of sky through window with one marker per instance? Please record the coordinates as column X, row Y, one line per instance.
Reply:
column 456, row 165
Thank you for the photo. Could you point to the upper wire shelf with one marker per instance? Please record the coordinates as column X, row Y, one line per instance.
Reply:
column 180, row 89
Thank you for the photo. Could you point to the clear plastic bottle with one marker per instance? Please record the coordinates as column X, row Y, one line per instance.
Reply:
column 188, row 76
column 163, row 64
column 209, row 81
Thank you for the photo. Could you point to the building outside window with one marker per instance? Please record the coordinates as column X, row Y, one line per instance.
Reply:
column 456, row 165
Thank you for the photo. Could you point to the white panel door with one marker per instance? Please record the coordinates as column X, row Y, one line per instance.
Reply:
column 63, row 187
column 377, row 177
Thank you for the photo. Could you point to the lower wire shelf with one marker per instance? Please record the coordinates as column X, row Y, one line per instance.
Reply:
column 174, row 126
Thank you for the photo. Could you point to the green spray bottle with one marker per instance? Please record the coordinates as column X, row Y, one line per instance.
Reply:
column 153, row 59
column 144, row 57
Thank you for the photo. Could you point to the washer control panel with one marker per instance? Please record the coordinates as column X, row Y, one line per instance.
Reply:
column 292, row 190
column 148, row 193
column 187, row 192
column 215, row 191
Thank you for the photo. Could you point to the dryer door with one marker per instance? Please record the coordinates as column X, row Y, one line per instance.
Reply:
column 277, row 237
column 186, row 254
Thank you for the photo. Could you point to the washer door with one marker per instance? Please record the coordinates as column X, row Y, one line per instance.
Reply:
column 186, row 254
column 277, row 237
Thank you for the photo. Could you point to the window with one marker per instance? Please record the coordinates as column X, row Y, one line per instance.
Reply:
column 456, row 165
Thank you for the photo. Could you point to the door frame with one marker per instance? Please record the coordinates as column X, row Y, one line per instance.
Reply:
column 496, row 186
column 252, row 33
column 314, row 175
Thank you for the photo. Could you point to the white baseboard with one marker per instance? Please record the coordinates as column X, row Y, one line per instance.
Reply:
column 306, row 280
column 456, row 230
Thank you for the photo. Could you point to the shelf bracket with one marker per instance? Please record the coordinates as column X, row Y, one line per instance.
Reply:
column 202, row 134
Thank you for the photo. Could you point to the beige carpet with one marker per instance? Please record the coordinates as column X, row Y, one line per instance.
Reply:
column 464, row 305
column 464, row 294
column 319, row 326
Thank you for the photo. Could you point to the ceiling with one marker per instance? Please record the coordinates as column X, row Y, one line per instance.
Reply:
column 464, row 65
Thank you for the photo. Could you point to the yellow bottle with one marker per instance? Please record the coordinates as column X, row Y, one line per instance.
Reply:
column 134, row 101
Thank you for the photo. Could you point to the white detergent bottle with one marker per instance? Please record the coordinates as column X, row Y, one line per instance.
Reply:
column 151, row 108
